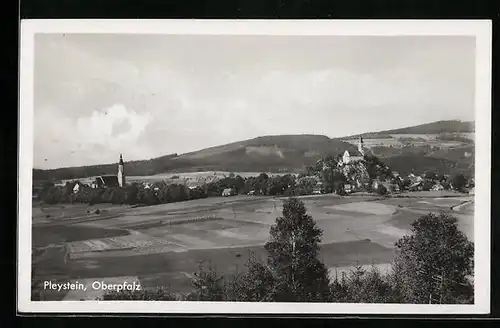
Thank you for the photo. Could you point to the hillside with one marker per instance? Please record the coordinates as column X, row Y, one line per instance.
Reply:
column 262, row 154
column 452, row 126
column 419, row 163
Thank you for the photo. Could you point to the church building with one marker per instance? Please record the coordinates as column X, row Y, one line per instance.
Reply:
column 355, row 157
column 111, row 181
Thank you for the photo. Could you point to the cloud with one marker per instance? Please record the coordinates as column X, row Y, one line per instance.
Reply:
column 116, row 127
column 121, row 127
column 97, row 96
column 94, row 139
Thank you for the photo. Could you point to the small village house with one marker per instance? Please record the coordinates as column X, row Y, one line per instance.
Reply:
column 228, row 192
column 437, row 187
column 106, row 181
column 318, row 189
column 387, row 184
column 417, row 186
column 78, row 185
column 348, row 188
column 415, row 178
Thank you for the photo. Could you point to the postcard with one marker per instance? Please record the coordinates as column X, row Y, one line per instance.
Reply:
column 254, row 166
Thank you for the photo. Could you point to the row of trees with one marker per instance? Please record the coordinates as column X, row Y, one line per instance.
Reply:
column 432, row 266
column 161, row 192
column 326, row 171
column 130, row 194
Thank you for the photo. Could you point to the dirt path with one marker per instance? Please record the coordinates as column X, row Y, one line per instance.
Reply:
column 457, row 207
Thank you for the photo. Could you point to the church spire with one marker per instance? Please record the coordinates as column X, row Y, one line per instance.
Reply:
column 121, row 173
column 361, row 146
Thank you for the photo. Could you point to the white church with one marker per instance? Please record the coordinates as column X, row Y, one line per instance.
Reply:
column 355, row 157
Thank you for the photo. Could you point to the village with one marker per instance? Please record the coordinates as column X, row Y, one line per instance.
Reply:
column 352, row 166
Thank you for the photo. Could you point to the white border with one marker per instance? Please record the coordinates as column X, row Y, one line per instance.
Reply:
column 481, row 29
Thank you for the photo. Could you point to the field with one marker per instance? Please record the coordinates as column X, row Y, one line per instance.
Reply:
column 164, row 244
column 398, row 140
column 182, row 178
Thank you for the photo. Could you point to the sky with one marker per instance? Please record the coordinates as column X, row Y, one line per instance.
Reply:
column 96, row 96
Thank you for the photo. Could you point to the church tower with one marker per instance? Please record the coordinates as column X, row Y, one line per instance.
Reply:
column 121, row 173
column 361, row 147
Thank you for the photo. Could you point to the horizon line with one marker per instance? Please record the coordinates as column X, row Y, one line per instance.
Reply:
column 260, row 136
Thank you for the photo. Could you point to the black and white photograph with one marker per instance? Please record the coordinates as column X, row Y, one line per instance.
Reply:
column 254, row 166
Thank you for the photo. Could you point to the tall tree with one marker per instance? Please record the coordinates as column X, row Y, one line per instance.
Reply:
column 293, row 256
column 256, row 283
column 459, row 181
column 434, row 262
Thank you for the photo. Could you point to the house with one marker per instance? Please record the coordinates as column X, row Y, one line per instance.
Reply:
column 415, row 178
column 192, row 184
column 228, row 192
column 76, row 188
column 317, row 190
column 106, row 181
column 437, row 187
column 376, row 183
column 417, row 186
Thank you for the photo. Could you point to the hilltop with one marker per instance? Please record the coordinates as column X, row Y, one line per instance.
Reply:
column 440, row 147
column 262, row 154
column 438, row 127
column 444, row 146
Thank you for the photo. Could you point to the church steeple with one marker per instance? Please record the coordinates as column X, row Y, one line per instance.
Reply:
column 121, row 173
column 361, row 146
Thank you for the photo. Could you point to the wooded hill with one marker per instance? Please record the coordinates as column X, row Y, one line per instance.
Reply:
column 288, row 153
column 438, row 127
column 263, row 154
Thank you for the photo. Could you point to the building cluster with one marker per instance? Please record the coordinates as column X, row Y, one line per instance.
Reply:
column 349, row 158
column 352, row 165
column 104, row 181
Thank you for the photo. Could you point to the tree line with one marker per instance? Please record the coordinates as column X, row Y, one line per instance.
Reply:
column 325, row 175
column 433, row 265
column 163, row 192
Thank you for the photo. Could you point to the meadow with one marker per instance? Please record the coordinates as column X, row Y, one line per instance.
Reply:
column 164, row 244
column 185, row 177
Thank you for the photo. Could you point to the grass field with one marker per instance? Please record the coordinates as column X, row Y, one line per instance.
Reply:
column 183, row 177
column 162, row 245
